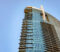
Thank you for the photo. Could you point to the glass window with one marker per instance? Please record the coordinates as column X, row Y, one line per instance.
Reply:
column 29, row 41
column 29, row 30
column 41, row 14
column 47, row 18
column 29, row 38
column 29, row 27
column 29, row 45
column 29, row 50
column 29, row 34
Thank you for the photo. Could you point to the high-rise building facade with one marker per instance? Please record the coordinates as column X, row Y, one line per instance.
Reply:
column 40, row 32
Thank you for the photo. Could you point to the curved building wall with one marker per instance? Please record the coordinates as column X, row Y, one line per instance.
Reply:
column 38, row 40
column 56, row 24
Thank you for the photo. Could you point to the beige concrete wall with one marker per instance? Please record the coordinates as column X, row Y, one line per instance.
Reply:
column 56, row 24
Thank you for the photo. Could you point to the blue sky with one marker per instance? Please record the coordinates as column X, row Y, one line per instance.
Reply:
column 11, row 16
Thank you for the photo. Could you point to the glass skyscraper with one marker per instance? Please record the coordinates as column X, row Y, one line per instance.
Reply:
column 40, row 32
